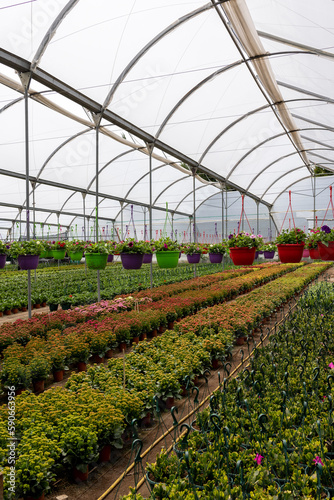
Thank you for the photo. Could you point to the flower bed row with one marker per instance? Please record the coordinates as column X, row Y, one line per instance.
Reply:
column 65, row 427
column 55, row 347
column 269, row 433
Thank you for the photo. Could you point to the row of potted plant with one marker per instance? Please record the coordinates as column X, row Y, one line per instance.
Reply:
column 268, row 433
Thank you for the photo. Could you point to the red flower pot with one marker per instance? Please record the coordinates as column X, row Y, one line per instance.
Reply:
column 82, row 366
column 79, row 476
column 109, row 353
column 290, row 252
column 97, row 359
column 105, row 452
column 306, row 253
column 122, row 346
column 135, row 340
column 38, row 386
column 242, row 256
column 314, row 253
column 143, row 336
column 326, row 253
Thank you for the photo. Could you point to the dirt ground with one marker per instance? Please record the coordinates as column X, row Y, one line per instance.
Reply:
column 103, row 475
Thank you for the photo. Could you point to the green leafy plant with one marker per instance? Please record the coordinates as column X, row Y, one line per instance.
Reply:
column 59, row 245
column 32, row 247
column 290, row 236
column 99, row 247
column 216, row 248
column 191, row 248
column 4, row 248
column 40, row 367
column 75, row 246
column 244, row 239
column 131, row 246
column 167, row 245
column 79, row 446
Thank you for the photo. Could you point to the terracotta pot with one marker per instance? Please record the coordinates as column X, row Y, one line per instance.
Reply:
column 290, row 253
column 82, row 366
column 147, row 420
column 162, row 329
column 1, row 314
column 196, row 381
column 43, row 304
column 143, row 336
column 109, row 354
column 58, row 375
column 15, row 310
column 215, row 364
column 135, row 340
column 7, row 312
column 104, row 455
column 242, row 256
column 122, row 346
column 170, row 402
column 97, row 359
column 154, row 333
column 184, row 392
column 170, row 325
column 79, row 476
column 38, row 386
column 23, row 309
column 240, row 341
column 37, row 306
column 19, row 391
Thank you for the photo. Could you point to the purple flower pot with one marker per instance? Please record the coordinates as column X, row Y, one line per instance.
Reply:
column 194, row 258
column 269, row 255
column 28, row 261
column 147, row 258
column 2, row 260
column 132, row 260
column 110, row 257
column 256, row 255
column 215, row 258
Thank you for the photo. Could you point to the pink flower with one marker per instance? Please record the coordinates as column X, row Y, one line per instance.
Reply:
column 317, row 460
column 331, row 366
column 258, row 459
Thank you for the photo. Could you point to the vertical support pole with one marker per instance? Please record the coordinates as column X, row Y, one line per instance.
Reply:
column 20, row 214
column 226, row 215
column 33, row 185
column 257, row 218
column 58, row 231
column 190, row 231
column 173, row 226
column 194, row 213
column 150, row 149
column 314, row 197
column 25, row 79
column 144, row 230
column 84, row 214
column 121, row 203
column 243, row 212
column 97, row 120
column 223, row 230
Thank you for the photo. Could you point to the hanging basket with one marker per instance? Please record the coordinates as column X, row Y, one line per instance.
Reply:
column 28, row 261
column 147, row 258
column 132, row 260
column 110, row 257
column 168, row 259
column 96, row 261
column 2, row 260
column 290, row 252
column 256, row 255
column 58, row 254
column 269, row 255
column 314, row 253
column 75, row 255
column 47, row 254
column 242, row 256
column 216, row 258
column 194, row 258
column 326, row 253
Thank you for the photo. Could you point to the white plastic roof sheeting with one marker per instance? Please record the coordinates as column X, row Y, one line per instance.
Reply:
column 241, row 90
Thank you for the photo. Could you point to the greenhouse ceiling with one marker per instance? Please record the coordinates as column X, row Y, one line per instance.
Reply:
column 187, row 97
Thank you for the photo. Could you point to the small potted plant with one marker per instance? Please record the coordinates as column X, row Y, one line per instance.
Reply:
column 149, row 249
column 58, row 249
column 312, row 243
column 193, row 252
column 75, row 249
column 111, row 250
column 15, row 374
column 167, row 252
column 53, row 303
column 290, row 244
column 47, row 252
column 269, row 250
column 216, row 252
column 79, row 449
column 326, row 243
column 132, row 253
column 40, row 368
column 96, row 255
column 27, row 253
column 243, row 247
column 3, row 254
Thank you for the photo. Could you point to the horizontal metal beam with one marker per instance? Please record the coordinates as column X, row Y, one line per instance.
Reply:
column 23, row 66
column 293, row 43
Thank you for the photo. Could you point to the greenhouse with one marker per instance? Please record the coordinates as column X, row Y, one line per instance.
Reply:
column 166, row 249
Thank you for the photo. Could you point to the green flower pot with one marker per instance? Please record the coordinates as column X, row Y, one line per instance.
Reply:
column 96, row 260
column 58, row 254
column 47, row 254
column 168, row 259
column 75, row 255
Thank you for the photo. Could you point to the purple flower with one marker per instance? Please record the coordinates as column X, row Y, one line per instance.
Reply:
column 317, row 460
column 331, row 366
column 230, row 236
column 130, row 244
column 326, row 229
column 258, row 459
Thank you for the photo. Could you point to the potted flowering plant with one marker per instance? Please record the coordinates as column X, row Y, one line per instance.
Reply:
column 326, row 242
column 58, row 249
column 193, row 252
column 40, row 367
column 243, row 247
column 75, row 249
column 47, row 252
column 312, row 243
column 132, row 253
column 269, row 250
column 111, row 250
column 290, row 245
column 96, row 255
column 149, row 249
column 3, row 254
column 167, row 252
column 216, row 252
column 27, row 253
column 79, row 449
